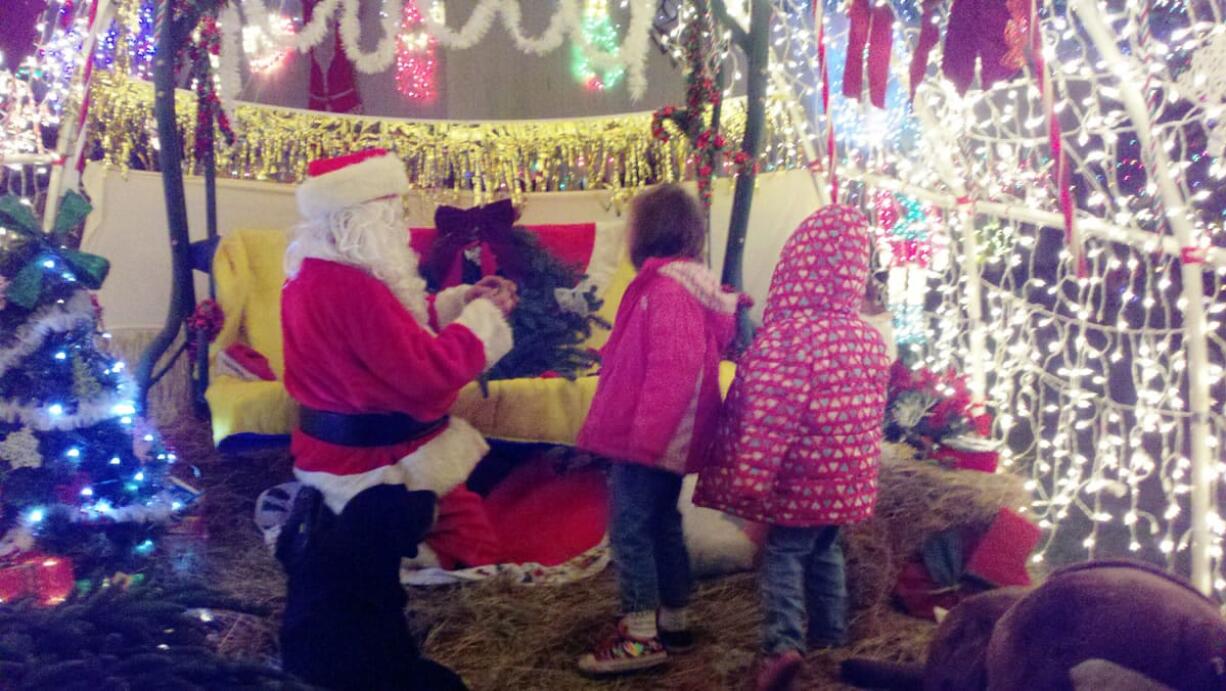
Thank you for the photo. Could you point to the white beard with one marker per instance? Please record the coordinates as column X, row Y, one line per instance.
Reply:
column 372, row 237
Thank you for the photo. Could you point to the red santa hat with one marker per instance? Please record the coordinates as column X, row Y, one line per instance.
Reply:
column 338, row 183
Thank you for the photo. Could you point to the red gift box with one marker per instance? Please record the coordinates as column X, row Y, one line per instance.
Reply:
column 47, row 579
column 1000, row 556
column 967, row 453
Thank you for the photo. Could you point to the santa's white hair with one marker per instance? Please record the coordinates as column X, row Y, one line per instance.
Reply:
column 371, row 236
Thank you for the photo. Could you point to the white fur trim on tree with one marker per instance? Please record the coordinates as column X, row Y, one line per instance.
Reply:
column 229, row 70
column 43, row 418
column 76, row 312
column 446, row 461
column 486, row 322
column 449, row 304
column 374, row 178
column 440, row 465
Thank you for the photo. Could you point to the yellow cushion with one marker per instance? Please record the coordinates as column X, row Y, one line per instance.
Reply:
column 249, row 407
column 248, row 269
column 612, row 298
column 548, row 411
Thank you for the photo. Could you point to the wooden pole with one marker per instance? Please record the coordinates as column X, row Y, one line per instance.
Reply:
column 757, row 53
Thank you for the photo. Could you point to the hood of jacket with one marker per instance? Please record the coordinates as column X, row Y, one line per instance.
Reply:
column 823, row 267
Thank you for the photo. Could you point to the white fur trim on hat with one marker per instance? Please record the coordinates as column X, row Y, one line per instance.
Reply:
column 374, row 178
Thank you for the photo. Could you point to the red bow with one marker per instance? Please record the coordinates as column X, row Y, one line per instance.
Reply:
column 486, row 227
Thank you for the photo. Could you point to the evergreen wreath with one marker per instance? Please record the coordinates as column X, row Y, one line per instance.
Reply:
column 549, row 338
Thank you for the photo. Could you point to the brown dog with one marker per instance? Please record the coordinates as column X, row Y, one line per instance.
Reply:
column 1133, row 618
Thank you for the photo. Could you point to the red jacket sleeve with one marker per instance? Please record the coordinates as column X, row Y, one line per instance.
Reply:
column 674, row 351
column 429, row 370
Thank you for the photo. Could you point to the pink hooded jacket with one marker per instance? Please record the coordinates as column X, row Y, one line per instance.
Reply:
column 658, row 399
column 801, row 433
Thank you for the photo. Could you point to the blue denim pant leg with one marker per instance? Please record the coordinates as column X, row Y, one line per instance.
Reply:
column 784, row 562
column 826, row 591
column 672, row 557
column 645, row 533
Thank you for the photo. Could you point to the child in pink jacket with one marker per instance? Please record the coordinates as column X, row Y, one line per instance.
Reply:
column 655, row 409
column 799, row 442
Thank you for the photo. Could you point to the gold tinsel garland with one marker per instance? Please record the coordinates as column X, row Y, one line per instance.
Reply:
column 489, row 158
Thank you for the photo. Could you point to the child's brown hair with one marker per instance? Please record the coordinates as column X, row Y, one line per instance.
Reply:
column 666, row 222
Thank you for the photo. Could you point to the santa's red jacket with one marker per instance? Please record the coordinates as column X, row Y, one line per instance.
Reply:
column 351, row 347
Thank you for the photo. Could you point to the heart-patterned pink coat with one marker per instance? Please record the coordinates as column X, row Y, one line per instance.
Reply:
column 800, row 437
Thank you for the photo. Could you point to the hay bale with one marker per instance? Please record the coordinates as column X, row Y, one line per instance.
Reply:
column 916, row 500
column 170, row 401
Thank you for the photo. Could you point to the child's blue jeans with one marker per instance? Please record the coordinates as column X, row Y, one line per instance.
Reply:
column 802, row 572
column 653, row 567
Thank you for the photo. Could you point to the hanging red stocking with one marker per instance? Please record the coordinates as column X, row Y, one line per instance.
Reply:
column 871, row 28
column 336, row 90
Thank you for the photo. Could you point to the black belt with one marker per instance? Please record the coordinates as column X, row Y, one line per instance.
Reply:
column 376, row 429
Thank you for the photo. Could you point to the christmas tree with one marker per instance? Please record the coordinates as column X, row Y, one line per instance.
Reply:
column 81, row 476
column 116, row 637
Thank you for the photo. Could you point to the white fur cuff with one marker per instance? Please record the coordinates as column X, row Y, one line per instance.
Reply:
column 446, row 461
column 486, row 322
column 449, row 303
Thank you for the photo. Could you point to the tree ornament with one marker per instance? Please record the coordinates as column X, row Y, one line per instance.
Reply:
column 84, row 385
column 416, row 57
column 20, row 450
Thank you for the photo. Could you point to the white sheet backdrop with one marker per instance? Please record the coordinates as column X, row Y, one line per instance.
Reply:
column 129, row 228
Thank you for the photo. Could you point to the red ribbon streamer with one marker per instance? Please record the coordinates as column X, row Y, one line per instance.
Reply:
column 821, row 59
column 871, row 27
column 1061, row 174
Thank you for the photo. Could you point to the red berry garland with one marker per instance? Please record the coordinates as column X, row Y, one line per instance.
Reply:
column 701, row 92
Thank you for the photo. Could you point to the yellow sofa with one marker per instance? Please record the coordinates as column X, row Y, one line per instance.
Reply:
column 249, row 274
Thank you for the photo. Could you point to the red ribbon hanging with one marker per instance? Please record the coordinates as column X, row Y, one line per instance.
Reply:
column 1061, row 174
column 821, row 59
column 871, row 27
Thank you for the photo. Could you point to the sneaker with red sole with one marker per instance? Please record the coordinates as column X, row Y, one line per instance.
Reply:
column 620, row 654
column 779, row 672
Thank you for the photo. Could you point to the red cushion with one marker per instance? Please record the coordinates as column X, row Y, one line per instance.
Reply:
column 572, row 243
column 547, row 518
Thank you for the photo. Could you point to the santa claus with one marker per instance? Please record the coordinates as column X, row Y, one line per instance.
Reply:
column 375, row 362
